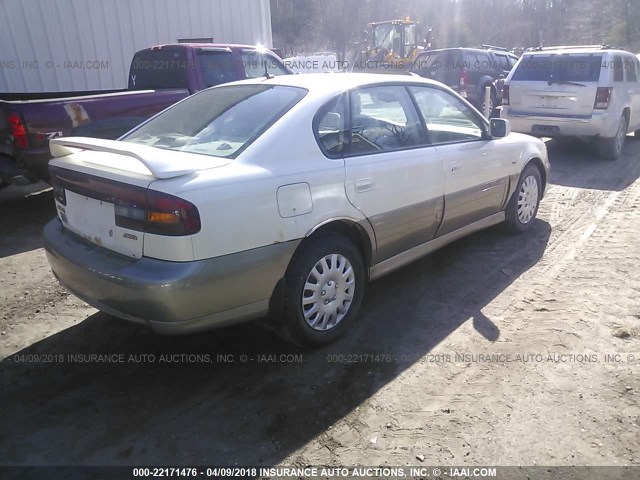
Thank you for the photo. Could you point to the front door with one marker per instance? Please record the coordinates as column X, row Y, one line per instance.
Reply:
column 476, row 169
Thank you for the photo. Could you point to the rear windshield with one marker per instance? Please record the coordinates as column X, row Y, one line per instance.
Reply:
column 220, row 122
column 159, row 68
column 563, row 67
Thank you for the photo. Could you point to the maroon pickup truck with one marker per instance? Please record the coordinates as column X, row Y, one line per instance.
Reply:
column 159, row 76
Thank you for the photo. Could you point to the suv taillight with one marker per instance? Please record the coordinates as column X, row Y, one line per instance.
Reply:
column 135, row 207
column 603, row 96
column 18, row 131
column 505, row 95
column 463, row 82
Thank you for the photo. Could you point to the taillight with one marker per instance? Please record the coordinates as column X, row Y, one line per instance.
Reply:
column 463, row 82
column 18, row 131
column 505, row 95
column 135, row 208
column 160, row 214
column 603, row 96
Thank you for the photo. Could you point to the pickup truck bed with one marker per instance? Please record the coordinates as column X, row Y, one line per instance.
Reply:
column 104, row 115
column 159, row 76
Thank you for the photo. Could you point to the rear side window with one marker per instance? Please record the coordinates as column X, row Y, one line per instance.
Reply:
column 220, row 122
column 564, row 67
column 329, row 126
column 631, row 71
column 254, row 65
column 382, row 119
column 483, row 62
column 503, row 62
column 432, row 62
column 216, row 67
column 159, row 68
column 618, row 69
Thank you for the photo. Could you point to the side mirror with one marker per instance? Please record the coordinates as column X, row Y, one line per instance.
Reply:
column 499, row 128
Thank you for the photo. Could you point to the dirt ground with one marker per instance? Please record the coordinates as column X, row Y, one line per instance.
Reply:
column 496, row 350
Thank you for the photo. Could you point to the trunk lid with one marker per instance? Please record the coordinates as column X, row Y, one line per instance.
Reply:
column 562, row 85
column 101, row 187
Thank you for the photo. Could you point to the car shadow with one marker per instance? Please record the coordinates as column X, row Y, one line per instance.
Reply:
column 241, row 395
column 22, row 219
column 575, row 163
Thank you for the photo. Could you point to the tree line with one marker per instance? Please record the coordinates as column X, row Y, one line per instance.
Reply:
column 307, row 26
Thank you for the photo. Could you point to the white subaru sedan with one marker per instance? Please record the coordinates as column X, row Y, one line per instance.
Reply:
column 281, row 196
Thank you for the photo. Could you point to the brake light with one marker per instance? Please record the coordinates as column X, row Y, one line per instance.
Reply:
column 463, row 82
column 505, row 95
column 18, row 131
column 603, row 96
column 135, row 208
column 156, row 212
column 169, row 215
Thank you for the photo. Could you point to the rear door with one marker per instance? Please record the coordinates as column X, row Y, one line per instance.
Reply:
column 555, row 84
column 392, row 175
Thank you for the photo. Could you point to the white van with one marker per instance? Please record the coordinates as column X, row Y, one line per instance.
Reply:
column 575, row 91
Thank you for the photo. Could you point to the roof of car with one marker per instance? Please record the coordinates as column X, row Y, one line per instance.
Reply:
column 466, row 49
column 336, row 82
column 575, row 50
column 231, row 46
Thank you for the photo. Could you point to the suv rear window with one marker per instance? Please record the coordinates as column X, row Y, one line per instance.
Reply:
column 563, row 67
column 220, row 122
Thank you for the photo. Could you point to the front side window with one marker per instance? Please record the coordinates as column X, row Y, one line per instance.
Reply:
column 254, row 64
column 383, row 118
column 220, row 122
column 447, row 119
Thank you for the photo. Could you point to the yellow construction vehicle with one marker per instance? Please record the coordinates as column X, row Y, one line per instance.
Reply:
column 390, row 45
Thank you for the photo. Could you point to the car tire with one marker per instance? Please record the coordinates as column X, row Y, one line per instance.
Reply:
column 317, row 316
column 523, row 206
column 611, row 148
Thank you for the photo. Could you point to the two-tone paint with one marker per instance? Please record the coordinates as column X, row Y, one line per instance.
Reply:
column 256, row 209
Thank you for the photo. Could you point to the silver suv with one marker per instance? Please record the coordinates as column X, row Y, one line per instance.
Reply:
column 575, row 91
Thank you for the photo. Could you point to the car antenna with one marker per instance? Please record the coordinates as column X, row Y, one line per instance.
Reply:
column 261, row 50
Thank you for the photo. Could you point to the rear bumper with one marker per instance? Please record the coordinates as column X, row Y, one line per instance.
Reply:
column 601, row 123
column 170, row 297
column 11, row 173
column 35, row 161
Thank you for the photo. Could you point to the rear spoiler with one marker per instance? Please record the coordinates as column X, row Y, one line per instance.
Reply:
column 161, row 163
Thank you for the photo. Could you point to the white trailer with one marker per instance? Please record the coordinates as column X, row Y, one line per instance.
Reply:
column 71, row 45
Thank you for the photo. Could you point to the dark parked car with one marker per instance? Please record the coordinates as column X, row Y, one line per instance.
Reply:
column 159, row 76
column 468, row 71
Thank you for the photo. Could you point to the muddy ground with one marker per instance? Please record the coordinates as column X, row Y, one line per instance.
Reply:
column 496, row 350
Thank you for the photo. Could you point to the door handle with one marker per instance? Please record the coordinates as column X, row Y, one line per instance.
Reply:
column 364, row 185
column 454, row 166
